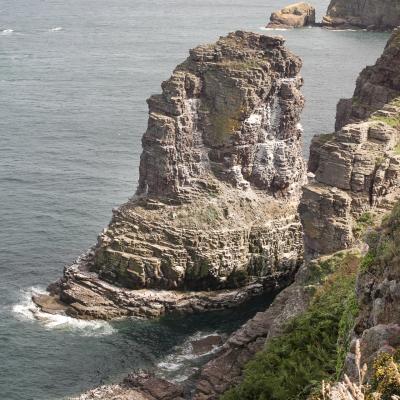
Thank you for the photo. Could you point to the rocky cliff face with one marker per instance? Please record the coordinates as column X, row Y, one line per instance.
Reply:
column 372, row 14
column 356, row 169
column 220, row 177
column 378, row 293
column 376, row 86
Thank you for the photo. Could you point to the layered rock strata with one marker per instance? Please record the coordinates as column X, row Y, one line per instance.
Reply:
column 220, row 177
column 376, row 86
column 296, row 15
column 369, row 14
column 356, row 169
column 378, row 293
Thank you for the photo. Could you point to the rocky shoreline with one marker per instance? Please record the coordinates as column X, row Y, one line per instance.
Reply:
column 223, row 212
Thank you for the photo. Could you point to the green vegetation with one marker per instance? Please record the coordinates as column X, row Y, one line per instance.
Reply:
column 386, row 377
column 384, row 243
column 293, row 364
column 397, row 149
column 393, row 121
column 365, row 221
column 346, row 324
column 324, row 138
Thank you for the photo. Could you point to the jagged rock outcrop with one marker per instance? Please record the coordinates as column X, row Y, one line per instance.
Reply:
column 376, row 86
column 378, row 293
column 356, row 169
column 220, row 178
column 370, row 14
column 294, row 16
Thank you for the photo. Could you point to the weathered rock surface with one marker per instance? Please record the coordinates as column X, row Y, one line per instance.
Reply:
column 294, row 16
column 357, row 168
column 220, row 178
column 84, row 295
column 141, row 386
column 370, row 14
column 378, row 293
column 376, row 86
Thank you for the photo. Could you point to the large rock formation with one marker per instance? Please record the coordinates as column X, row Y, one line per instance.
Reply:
column 378, row 293
column 371, row 14
column 220, row 177
column 376, row 86
column 294, row 16
column 356, row 169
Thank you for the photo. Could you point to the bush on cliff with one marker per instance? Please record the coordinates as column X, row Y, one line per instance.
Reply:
column 293, row 364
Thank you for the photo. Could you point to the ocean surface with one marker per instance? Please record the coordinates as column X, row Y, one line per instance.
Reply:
column 74, row 77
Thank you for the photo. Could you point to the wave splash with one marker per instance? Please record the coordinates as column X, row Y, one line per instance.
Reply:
column 28, row 310
column 6, row 31
column 183, row 361
column 56, row 29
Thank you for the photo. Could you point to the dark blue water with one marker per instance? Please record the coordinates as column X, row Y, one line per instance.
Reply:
column 74, row 76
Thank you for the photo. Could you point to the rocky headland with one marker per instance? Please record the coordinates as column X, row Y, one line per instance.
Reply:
column 296, row 15
column 221, row 214
column 379, row 15
column 348, row 290
column 214, row 220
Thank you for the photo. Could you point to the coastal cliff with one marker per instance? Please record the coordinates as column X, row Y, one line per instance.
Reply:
column 376, row 86
column 214, row 220
column 356, row 170
column 371, row 14
column 309, row 333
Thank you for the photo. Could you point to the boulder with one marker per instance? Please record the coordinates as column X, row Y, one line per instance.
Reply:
column 294, row 16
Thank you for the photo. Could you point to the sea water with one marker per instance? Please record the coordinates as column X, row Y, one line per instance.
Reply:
column 74, row 77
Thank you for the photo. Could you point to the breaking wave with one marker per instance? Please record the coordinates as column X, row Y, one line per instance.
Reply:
column 182, row 362
column 26, row 309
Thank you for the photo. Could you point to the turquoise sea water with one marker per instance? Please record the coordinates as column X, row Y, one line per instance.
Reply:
column 74, row 77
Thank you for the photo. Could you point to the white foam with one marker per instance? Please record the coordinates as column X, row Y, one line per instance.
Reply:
column 347, row 30
column 180, row 363
column 28, row 310
column 56, row 29
column 7, row 32
column 263, row 28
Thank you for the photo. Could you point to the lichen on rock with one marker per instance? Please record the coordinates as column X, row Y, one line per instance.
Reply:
column 216, row 206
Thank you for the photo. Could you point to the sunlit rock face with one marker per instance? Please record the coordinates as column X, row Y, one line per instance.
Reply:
column 371, row 14
column 356, row 170
column 230, row 112
column 220, row 179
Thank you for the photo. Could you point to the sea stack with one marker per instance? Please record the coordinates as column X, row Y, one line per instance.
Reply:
column 214, row 220
column 296, row 15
